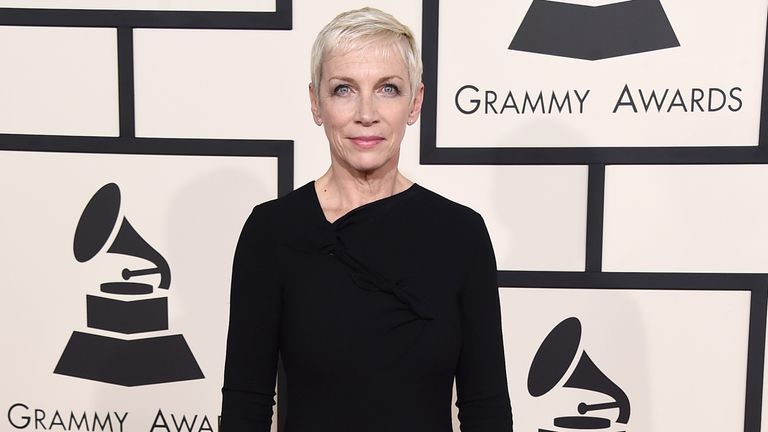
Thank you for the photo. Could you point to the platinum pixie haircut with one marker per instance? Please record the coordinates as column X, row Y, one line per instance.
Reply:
column 362, row 28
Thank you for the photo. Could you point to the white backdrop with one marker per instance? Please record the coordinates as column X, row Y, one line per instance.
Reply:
column 679, row 355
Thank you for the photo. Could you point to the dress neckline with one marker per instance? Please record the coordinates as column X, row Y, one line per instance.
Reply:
column 319, row 208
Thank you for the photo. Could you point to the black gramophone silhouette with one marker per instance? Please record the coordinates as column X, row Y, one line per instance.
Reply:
column 552, row 361
column 127, row 362
column 586, row 32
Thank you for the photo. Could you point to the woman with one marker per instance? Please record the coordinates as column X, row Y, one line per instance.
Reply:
column 376, row 292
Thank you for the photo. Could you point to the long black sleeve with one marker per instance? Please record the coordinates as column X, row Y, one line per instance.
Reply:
column 254, row 329
column 481, row 380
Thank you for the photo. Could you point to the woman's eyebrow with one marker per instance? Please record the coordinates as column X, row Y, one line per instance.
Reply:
column 349, row 79
column 391, row 77
column 340, row 78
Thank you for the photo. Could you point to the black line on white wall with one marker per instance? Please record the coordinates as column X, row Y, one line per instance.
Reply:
column 284, row 167
column 585, row 155
column 755, row 282
column 429, row 40
column 125, row 81
column 595, row 206
column 764, row 106
column 753, row 412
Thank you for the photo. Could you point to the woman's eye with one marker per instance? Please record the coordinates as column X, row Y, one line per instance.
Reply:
column 390, row 89
column 342, row 90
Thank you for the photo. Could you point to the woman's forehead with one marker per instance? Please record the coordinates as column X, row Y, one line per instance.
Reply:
column 384, row 56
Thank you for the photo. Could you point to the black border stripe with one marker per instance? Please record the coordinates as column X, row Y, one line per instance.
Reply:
column 763, row 135
column 125, row 82
column 635, row 280
column 584, row 155
column 280, row 19
column 753, row 412
column 432, row 154
column 595, row 208
column 430, row 22
column 154, row 146
column 285, row 158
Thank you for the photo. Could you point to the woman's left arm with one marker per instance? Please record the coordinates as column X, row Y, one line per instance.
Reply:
column 481, row 379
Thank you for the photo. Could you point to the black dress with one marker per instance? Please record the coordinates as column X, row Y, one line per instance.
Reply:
column 373, row 315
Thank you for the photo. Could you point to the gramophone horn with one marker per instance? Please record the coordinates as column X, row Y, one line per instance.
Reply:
column 97, row 222
column 552, row 361
column 554, row 357
column 95, row 227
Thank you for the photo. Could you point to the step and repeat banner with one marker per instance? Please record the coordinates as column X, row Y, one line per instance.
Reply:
column 614, row 149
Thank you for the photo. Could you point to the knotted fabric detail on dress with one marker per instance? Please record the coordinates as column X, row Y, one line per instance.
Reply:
column 368, row 279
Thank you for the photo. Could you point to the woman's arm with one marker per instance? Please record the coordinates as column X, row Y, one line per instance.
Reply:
column 481, row 379
column 254, row 329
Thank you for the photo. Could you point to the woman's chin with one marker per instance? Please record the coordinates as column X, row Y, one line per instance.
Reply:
column 367, row 162
column 371, row 164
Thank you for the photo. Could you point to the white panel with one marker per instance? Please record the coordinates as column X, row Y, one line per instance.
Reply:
column 214, row 83
column 721, row 48
column 536, row 215
column 681, row 371
column 58, row 81
column 686, row 218
column 180, row 5
column 190, row 209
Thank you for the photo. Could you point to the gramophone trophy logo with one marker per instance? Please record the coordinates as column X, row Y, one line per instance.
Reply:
column 594, row 32
column 128, row 308
column 560, row 358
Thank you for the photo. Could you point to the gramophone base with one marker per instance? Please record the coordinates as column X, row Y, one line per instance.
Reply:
column 127, row 317
column 128, row 362
column 594, row 32
column 582, row 422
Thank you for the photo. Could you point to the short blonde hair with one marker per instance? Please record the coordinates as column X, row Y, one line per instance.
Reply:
column 361, row 28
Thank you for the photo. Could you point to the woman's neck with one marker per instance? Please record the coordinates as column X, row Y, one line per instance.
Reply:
column 339, row 191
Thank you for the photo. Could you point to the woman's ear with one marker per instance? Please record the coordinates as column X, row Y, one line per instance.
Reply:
column 314, row 105
column 418, row 99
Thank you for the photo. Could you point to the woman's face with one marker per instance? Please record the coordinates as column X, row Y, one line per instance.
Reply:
column 364, row 104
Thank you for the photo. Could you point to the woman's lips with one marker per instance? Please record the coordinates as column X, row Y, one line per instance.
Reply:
column 366, row 141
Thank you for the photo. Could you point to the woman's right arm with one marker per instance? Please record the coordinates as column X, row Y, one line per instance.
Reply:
column 254, row 328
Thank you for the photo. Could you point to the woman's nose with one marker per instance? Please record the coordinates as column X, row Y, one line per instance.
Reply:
column 367, row 113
